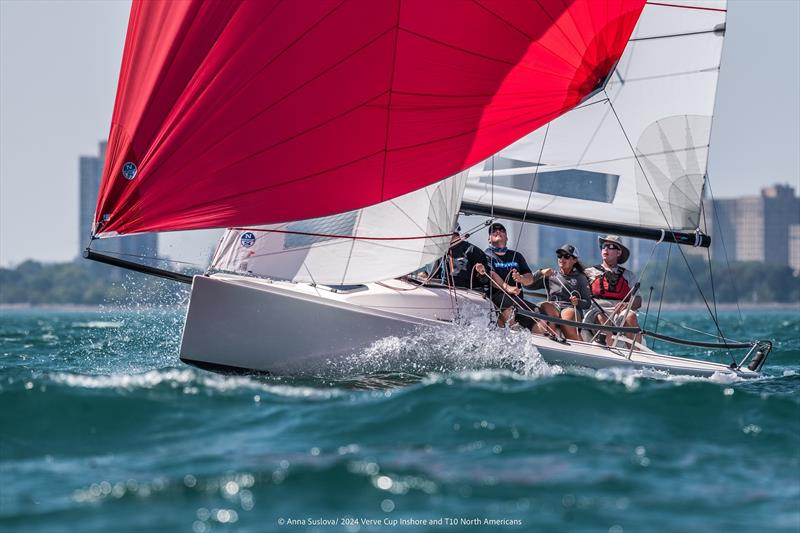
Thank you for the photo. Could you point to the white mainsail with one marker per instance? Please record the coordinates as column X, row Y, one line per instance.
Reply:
column 377, row 243
column 634, row 154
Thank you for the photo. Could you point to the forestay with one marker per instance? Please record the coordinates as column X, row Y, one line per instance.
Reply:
column 635, row 153
column 372, row 244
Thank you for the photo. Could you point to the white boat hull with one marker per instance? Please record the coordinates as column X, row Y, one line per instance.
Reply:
column 285, row 328
column 244, row 324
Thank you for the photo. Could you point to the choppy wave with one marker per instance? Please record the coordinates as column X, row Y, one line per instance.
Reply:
column 102, row 431
column 190, row 381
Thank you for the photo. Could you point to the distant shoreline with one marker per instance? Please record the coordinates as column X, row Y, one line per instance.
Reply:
column 83, row 307
column 694, row 306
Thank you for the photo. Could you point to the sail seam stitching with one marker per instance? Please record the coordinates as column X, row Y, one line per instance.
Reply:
column 389, row 105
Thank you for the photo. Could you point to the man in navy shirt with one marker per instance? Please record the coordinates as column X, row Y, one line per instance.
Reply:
column 508, row 270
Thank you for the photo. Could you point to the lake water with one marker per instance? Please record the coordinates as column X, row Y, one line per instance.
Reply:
column 103, row 429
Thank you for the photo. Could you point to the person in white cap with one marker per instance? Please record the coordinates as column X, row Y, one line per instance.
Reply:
column 611, row 284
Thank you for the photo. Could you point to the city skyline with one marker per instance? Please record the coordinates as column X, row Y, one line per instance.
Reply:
column 60, row 64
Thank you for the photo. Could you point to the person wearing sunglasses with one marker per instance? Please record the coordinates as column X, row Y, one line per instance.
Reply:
column 568, row 294
column 465, row 264
column 611, row 284
column 508, row 271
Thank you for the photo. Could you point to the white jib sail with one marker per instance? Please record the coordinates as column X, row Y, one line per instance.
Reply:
column 659, row 101
column 377, row 243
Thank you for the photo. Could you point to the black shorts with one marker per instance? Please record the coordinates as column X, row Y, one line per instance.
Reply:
column 503, row 301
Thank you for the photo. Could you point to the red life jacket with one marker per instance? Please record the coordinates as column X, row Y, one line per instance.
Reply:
column 611, row 285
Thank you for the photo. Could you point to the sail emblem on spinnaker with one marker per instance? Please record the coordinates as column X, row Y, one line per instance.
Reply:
column 129, row 170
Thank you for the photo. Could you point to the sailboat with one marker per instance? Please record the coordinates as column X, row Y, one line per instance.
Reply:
column 337, row 143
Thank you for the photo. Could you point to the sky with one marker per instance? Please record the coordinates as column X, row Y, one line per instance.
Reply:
column 59, row 64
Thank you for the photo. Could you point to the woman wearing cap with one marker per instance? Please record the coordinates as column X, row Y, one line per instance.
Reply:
column 567, row 289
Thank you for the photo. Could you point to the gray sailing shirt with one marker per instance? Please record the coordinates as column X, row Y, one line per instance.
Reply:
column 561, row 287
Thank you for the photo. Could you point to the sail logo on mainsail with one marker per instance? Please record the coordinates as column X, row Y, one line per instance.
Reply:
column 129, row 171
column 248, row 239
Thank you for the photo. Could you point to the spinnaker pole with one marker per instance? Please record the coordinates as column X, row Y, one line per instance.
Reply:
column 137, row 267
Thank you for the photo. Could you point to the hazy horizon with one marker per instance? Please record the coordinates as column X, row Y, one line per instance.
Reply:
column 59, row 63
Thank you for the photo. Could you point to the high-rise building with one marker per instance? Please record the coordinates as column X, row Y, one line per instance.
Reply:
column 781, row 210
column 794, row 248
column 133, row 247
column 755, row 228
column 90, row 170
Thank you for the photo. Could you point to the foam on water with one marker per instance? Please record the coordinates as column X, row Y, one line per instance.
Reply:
column 468, row 345
column 98, row 324
column 191, row 381
column 632, row 377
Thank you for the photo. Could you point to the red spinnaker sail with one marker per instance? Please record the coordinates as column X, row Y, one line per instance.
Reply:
column 245, row 112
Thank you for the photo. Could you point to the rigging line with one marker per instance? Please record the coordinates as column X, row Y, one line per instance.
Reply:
column 705, row 300
column 699, row 332
column 525, row 303
column 451, row 284
column 687, row 34
column 314, row 282
column 492, row 197
column 514, row 171
column 316, row 246
column 409, row 217
column 650, row 258
column 332, row 236
column 639, row 163
column 663, row 213
column 352, row 243
column 533, row 184
column 589, row 144
column 491, row 285
column 214, row 256
column 662, row 4
column 702, row 70
column 708, row 253
column 724, row 248
column 590, row 104
column 663, row 286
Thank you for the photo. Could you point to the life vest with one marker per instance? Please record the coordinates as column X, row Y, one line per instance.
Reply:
column 611, row 285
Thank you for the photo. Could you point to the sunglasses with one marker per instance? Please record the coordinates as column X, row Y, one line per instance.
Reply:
column 564, row 256
column 498, row 230
column 611, row 247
